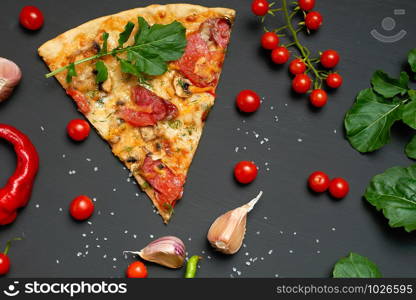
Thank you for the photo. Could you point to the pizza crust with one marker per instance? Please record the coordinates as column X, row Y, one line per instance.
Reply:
column 64, row 49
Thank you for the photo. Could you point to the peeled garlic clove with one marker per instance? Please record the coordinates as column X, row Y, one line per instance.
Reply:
column 227, row 232
column 168, row 251
column 10, row 76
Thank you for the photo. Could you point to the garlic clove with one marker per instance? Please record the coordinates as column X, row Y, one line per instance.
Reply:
column 10, row 76
column 168, row 251
column 227, row 232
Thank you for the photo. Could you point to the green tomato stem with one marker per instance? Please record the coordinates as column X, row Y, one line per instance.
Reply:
column 9, row 243
column 303, row 50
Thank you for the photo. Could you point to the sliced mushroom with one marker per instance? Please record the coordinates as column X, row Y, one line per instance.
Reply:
column 114, row 139
column 107, row 85
column 148, row 133
column 181, row 86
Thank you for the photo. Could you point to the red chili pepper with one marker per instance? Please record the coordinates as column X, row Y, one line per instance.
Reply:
column 18, row 188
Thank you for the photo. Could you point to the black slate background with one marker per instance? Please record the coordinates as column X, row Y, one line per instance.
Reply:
column 51, row 236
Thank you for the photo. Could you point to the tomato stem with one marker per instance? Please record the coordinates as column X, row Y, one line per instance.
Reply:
column 304, row 51
column 9, row 243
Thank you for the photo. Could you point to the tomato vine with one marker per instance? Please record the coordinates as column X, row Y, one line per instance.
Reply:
column 318, row 67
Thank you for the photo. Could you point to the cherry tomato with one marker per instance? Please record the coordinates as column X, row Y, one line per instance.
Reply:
column 306, row 4
column 313, row 20
column 78, row 129
column 339, row 188
column 318, row 182
column 259, row 7
column 136, row 269
column 4, row 264
column 248, row 101
column 318, row 98
column 297, row 66
column 329, row 59
column 245, row 172
column 31, row 18
column 334, row 80
column 280, row 55
column 81, row 208
column 269, row 40
column 301, row 83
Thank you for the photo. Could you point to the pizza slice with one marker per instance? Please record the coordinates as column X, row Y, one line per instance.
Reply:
column 146, row 79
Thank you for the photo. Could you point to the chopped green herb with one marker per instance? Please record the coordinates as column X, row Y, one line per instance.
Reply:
column 168, row 208
column 175, row 124
column 144, row 185
column 102, row 72
column 128, row 149
column 104, row 47
column 71, row 72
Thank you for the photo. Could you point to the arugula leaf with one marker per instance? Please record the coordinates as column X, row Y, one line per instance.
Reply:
column 411, row 148
column 127, row 67
column 412, row 59
column 154, row 46
column 394, row 193
column 71, row 72
column 409, row 110
column 355, row 266
column 390, row 87
column 124, row 36
column 105, row 42
column 102, row 72
column 369, row 121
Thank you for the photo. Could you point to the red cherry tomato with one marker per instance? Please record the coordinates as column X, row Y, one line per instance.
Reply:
column 245, row 172
column 248, row 101
column 297, row 66
column 280, row 55
column 4, row 264
column 313, row 20
column 339, row 188
column 318, row 182
column 334, row 80
column 329, row 59
column 259, row 7
column 301, row 83
column 81, row 208
column 269, row 40
column 136, row 269
column 78, row 129
column 31, row 18
column 318, row 98
column 306, row 4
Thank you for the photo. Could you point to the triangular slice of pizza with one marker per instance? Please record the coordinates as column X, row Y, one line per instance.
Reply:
column 146, row 79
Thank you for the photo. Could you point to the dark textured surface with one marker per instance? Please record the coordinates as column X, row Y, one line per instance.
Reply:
column 288, row 220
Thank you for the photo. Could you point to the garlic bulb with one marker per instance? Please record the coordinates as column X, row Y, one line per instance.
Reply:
column 10, row 76
column 227, row 232
column 168, row 251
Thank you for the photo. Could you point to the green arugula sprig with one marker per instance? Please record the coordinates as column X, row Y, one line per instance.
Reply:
column 355, row 266
column 393, row 193
column 376, row 109
column 154, row 46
